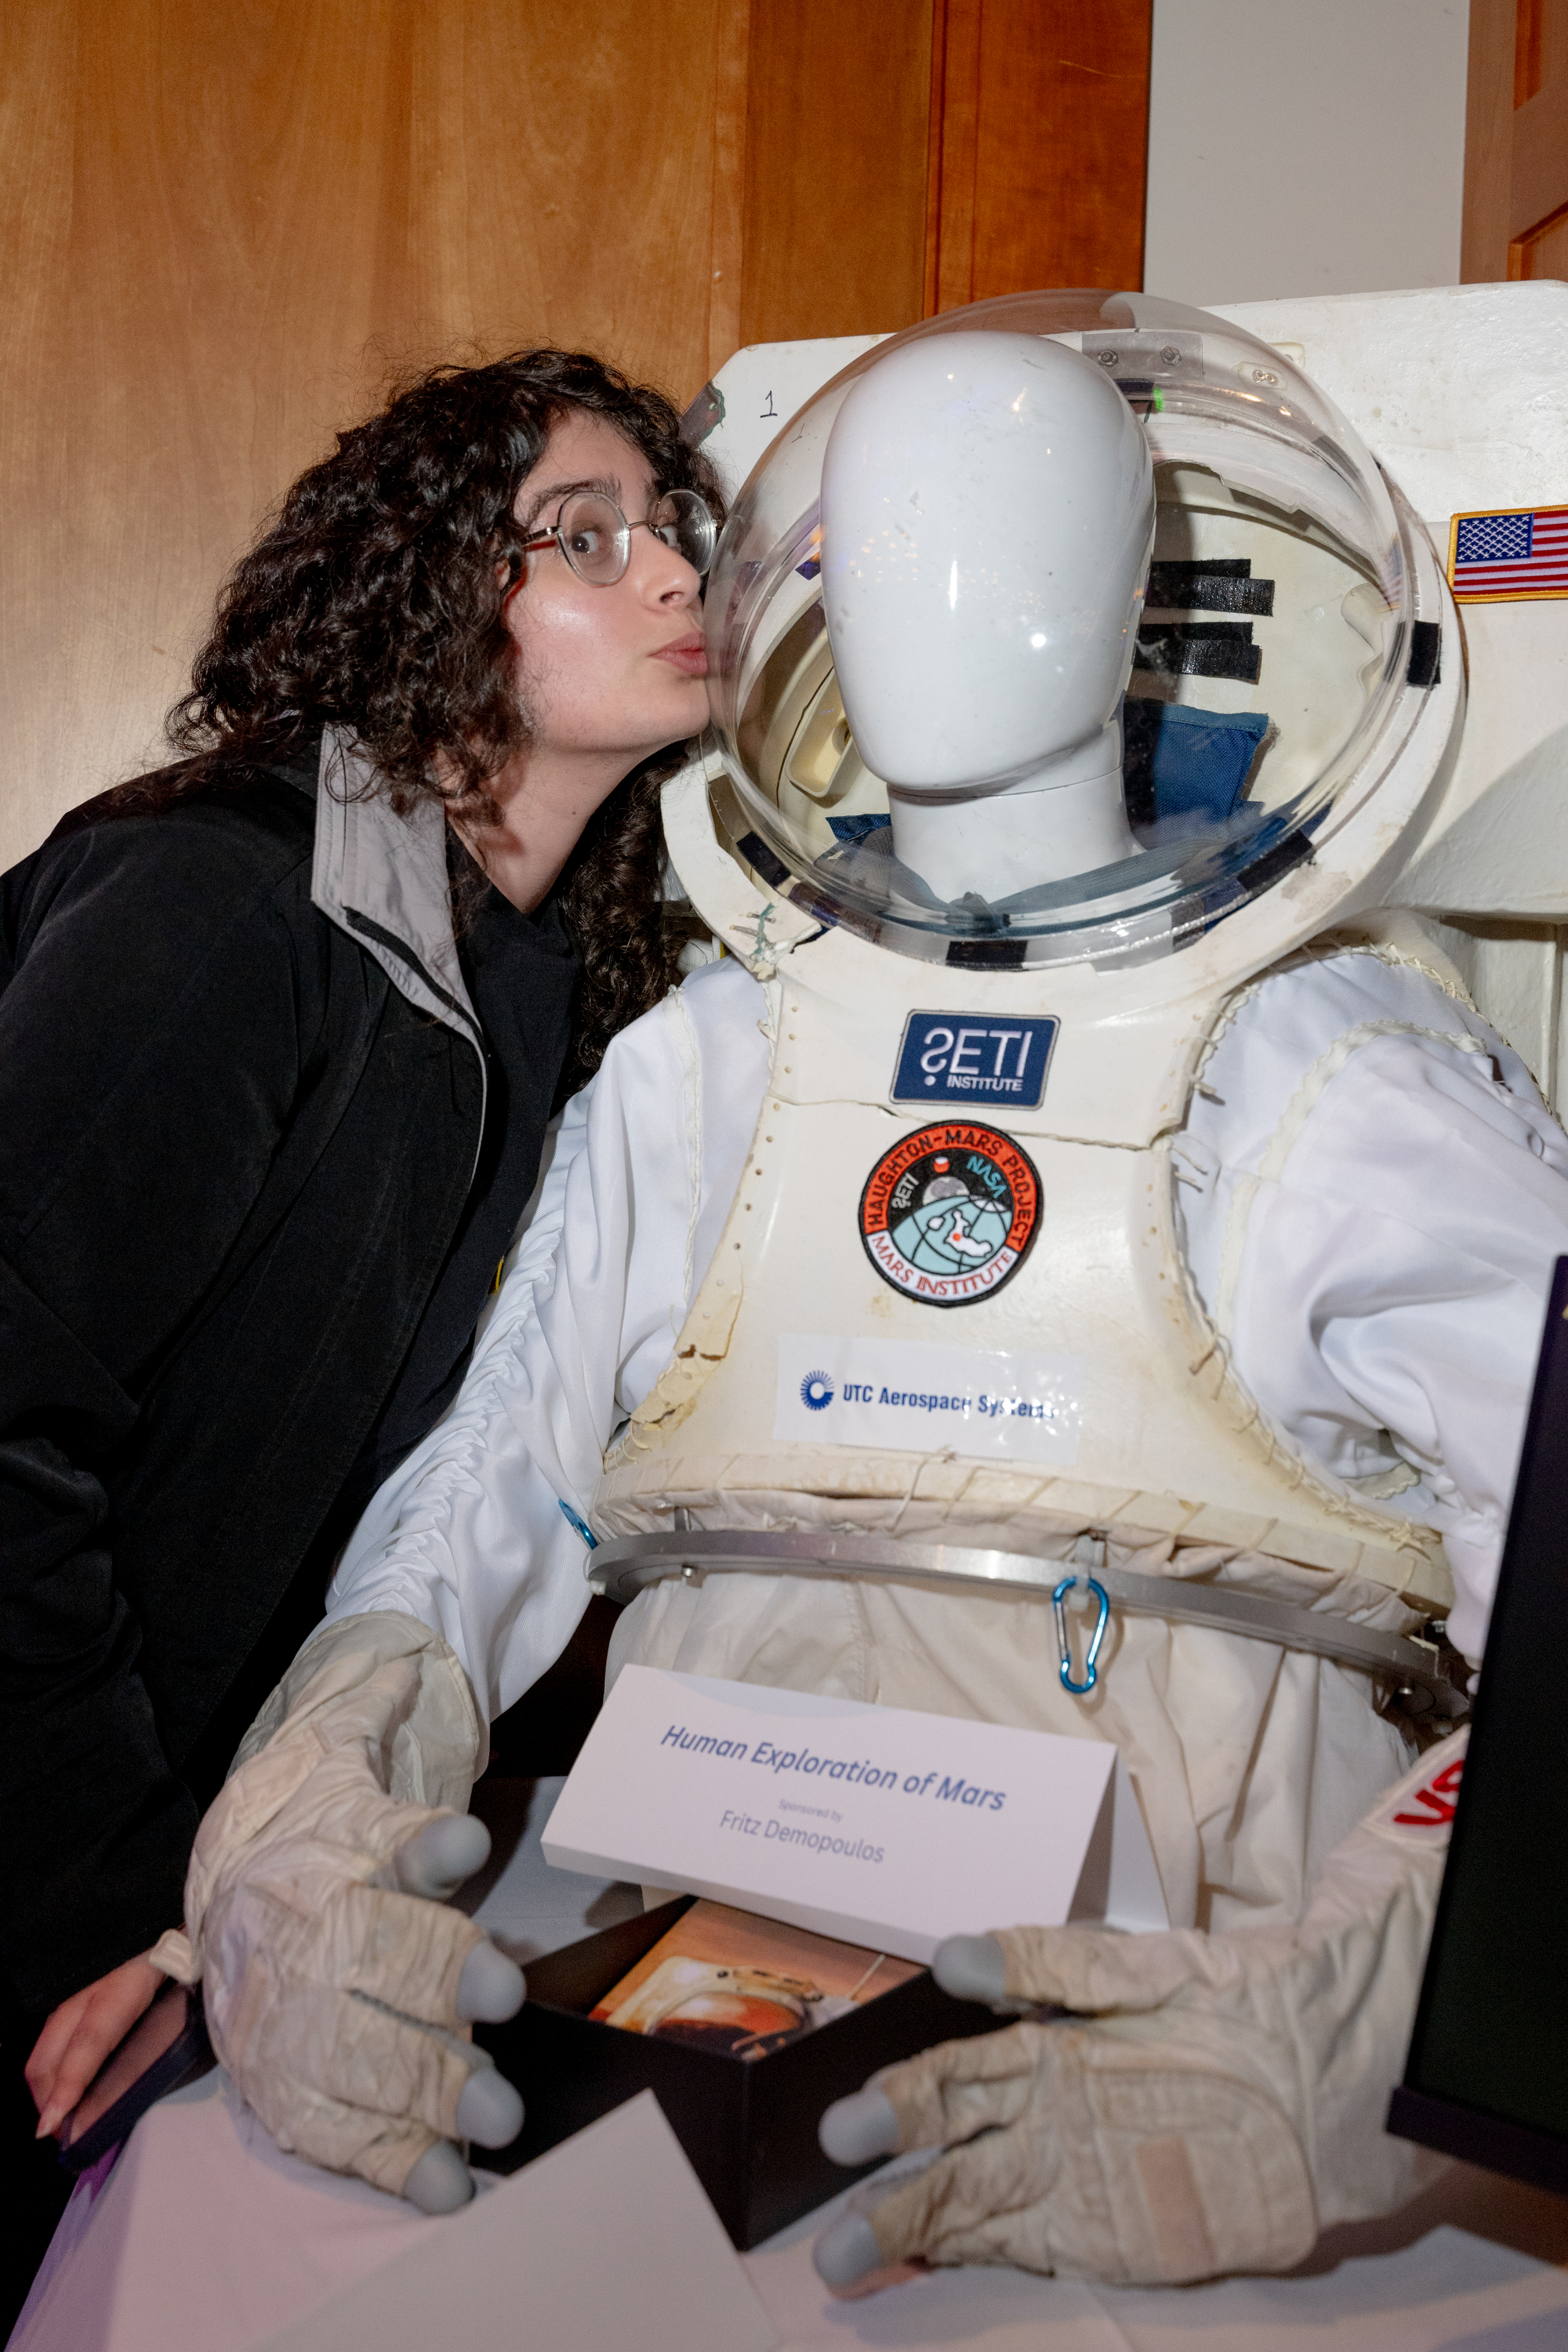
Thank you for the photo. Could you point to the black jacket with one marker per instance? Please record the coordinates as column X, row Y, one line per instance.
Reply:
column 251, row 1199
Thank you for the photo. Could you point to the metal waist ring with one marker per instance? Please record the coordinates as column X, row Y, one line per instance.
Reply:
column 624, row 1565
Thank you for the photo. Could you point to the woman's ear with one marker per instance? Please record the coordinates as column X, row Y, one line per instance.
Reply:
column 511, row 569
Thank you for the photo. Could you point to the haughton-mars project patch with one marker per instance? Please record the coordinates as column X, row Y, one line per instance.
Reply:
column 949, row 1212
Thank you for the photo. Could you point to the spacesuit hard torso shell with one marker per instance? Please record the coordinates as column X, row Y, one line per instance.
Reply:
column 1250, row 1760
column 1005, row 1307
column 954, row 1308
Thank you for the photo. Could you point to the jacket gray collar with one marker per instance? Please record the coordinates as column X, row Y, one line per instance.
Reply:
column 383, row 878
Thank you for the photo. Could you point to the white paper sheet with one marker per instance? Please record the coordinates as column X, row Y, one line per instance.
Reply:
column 606, row 2240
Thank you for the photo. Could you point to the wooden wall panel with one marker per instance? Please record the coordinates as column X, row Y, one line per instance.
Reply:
column 226, row 224
column 1039, row 144
column 732, row 53
column 835, row 167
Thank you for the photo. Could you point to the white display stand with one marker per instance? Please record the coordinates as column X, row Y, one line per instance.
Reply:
column 206, row 2238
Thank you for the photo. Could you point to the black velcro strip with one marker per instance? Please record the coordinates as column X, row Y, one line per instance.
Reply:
column 762, row 861
column 1293, row 850
column 1426, row 654
column 1200, row 649
column 1140, row 716
column 1224, row 584
column 1004, row 954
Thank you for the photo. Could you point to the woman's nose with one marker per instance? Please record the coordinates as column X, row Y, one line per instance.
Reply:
column 677, row 583
column 661, row 572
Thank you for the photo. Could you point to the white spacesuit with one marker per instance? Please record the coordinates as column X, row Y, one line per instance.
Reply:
column 1056, row 1195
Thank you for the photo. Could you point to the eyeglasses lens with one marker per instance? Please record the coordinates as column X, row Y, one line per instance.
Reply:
column 681, row 519
column 595, row 539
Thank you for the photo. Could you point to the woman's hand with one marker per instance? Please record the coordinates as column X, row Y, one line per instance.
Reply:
column 81, row 2034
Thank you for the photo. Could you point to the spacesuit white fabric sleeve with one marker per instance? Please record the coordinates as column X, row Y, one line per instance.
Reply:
column 1374, row 1193
column 469, row 1535
column 338, row 1992
column 505, row 1525
column 1216, row 2101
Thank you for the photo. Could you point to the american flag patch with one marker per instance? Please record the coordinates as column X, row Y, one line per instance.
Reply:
column 1497, row 558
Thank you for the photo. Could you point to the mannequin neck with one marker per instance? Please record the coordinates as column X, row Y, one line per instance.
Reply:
column 1047, row 826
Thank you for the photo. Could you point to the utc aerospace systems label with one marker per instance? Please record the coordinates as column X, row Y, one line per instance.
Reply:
column 948, row 1214
column 922, row 1398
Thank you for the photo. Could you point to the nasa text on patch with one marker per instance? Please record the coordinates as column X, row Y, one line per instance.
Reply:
column 962, row 1057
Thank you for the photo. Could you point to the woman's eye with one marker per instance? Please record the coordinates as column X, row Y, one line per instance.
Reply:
column 584, row 542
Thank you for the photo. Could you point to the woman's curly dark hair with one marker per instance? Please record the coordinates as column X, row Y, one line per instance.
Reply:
column 376, row 600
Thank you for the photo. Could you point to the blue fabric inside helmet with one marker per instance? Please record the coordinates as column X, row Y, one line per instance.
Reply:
column 1178, row 762
column 854, row 828
column 1199, row 759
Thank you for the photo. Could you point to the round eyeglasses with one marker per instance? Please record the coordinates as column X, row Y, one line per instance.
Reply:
column 596, row 538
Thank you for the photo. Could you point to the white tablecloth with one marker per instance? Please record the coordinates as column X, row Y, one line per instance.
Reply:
column 203, row 2237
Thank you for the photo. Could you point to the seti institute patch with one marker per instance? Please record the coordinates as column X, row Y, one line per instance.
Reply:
column 948, row 1214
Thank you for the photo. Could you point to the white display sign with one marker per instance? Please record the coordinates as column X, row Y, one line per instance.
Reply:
column 875, row 1824
column 920, row 1396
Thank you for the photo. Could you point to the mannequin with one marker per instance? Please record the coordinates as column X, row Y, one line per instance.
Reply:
column 987, row 520
column 707, row 1205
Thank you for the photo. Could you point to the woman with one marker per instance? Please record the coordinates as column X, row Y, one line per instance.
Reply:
column 280, row 1031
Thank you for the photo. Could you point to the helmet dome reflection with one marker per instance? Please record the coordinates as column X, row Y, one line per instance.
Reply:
column 1267, row 689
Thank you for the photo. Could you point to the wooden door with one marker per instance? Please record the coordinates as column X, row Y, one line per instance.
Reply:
column 904, row 159
column 1039, row 135
column 1516, row 140
column 228, row 223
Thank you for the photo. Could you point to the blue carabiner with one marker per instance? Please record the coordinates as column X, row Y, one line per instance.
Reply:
column 1090, row 1673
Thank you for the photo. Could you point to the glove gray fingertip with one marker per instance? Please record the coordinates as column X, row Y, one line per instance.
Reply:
column 490, row 1988
column 440, row 2182
column 435, row 1860
column 855, row 2130
column 970, row 1968
column 490, row 2110
column 847, row 2252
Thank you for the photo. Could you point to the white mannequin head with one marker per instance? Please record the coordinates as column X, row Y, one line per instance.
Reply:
column 987, row 519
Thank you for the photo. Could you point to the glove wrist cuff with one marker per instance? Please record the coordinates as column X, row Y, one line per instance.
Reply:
column 175, row 1956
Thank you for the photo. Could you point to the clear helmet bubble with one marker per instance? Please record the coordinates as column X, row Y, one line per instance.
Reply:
column 1024, row 664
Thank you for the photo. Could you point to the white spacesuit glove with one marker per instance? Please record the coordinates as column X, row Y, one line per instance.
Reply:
column 1222, row 2102
column 340, row 1988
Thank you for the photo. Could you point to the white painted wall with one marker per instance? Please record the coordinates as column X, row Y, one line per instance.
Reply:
column 1304, row 147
